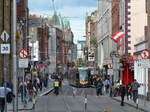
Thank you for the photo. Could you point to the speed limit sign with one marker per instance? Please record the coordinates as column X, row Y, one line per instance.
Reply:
column 5, row 48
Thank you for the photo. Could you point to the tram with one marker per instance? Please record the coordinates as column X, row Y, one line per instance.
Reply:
column 79, row 77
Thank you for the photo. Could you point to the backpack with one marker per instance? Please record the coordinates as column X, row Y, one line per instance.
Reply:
column 99, row 85
column 9, row 97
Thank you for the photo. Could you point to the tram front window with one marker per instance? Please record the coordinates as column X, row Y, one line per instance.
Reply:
column 83, row 75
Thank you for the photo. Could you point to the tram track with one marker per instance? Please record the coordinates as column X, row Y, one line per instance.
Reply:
column 67, row 105
column 67, row 92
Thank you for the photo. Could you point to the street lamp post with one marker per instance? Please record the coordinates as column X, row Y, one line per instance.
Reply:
column 15, row 106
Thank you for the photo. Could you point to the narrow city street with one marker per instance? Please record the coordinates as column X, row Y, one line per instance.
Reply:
column 97, row 52
column 66, row 102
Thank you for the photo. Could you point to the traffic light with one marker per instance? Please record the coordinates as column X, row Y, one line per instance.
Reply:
column 85, row 51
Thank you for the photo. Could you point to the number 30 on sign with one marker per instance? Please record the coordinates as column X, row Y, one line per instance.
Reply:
column 5, row 48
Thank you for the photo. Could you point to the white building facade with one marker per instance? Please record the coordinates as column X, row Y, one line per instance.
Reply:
column 104, row 33
column 138, row 24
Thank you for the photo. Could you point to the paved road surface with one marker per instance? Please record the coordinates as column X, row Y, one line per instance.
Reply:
column 66, row 102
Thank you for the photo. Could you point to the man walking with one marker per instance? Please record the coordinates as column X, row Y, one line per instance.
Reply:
column 129, row 91
column 106, row 84
column 122, row 92
column 99, row 86
column 56, row 85
column 135, row 85
column 3, row 92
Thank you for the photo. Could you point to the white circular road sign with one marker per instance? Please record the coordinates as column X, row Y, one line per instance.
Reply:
column 145, row 54
column 23, row 53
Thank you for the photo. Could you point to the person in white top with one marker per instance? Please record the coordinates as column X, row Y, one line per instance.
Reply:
column 2, row 97
column 74, row 91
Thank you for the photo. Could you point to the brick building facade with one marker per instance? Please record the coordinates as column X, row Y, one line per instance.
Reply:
column 5, row 24
column 22, row 19
column 115, row 16
column 43, row 42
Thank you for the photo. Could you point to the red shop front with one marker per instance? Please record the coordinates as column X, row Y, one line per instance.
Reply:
column 128, row 72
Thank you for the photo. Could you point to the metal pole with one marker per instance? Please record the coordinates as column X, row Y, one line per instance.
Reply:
column 4, row 59
column 15, row 106
column 147, row 37
column 85, row 101
column 145, row 86
column 23, row 85
column 32, row 57
column 5, row 80
column 5, row 77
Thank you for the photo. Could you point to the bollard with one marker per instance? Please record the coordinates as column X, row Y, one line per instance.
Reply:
column 137, row 101
column 85, row 103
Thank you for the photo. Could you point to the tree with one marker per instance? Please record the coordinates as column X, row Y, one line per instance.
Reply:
column 80, row 62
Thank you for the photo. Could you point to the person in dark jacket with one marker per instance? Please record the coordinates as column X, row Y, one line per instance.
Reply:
column 122, row 93
column 10, row 97
column 135, row 85
column 99, row 86
column 129, row 91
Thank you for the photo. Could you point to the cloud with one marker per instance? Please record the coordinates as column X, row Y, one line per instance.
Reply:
column 59, row 4
column 78, row 29
column 68, row 12
column 74, row 10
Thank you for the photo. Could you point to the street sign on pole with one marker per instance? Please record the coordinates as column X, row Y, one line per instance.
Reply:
column 145, row 54
column 144, row 63
column 23, row 54
column 91, row 58
column 5, row 49
column 4, row 36
column 23, row 63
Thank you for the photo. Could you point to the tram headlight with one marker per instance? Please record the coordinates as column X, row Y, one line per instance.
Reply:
column 83, row 82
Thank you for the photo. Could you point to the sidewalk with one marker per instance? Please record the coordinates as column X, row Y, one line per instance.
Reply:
column 142, row 104
column 30, row 105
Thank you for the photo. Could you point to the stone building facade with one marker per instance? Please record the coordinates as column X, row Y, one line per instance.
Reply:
column 91, row 38
column 104, row 26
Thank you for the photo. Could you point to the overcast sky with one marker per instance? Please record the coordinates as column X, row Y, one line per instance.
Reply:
column 74, row 10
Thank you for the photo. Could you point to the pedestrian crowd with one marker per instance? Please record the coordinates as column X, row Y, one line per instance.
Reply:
column 130, row 90
column 29, row 88
column 102, row 85
column 105, row 86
